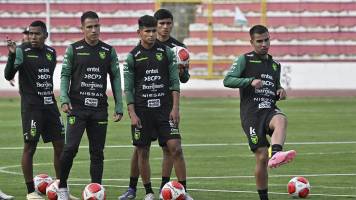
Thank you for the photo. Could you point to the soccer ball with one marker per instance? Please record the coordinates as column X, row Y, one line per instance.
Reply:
column 299, row 187
column 41, row 181
column 173, row 190
column 182, row 55
column 94, row 191
column 51, row 190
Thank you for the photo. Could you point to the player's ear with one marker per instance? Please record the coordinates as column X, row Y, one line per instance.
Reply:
column 46, row 35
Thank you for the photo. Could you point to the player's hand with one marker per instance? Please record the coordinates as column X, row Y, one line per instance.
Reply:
column 117, row 117
column 282, row 94
column 11, row 45
column 135, row 120
column 66, row 108
column 256, row 83
column 174, row 116
column 12, row 82
column 181, row 68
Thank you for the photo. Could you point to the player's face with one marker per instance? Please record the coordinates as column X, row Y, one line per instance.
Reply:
column 37, row 36
column 148, row 35
column 91, row 30
column 260, row 43
column 164, row 26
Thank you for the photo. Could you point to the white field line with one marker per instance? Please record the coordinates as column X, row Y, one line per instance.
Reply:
column 230, row 191
column 197, row 145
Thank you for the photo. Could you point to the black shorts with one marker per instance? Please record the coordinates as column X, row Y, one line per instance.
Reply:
column 44, row 122
column 256, row 127
column 155, row 124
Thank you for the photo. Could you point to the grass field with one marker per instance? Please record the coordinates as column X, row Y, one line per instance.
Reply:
column 219, row 163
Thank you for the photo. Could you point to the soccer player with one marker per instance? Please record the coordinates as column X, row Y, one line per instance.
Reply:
column 36, row 62
column 258, row 77
column 164, row 28
column 4, row 196
column 152, row 95
column 83, row 97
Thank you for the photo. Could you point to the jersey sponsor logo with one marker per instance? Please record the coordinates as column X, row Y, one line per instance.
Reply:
column 152, row 78
column 102, row 55
column 49, row 56
column 159, row 56
column 91, row 102
column 253, row 135
column 47, row 100
column 265, row 104
column 83, row 54
column 27, row 49
column 153, row 103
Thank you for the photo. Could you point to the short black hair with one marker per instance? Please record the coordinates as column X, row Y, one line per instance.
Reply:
column 147, row 21
column 163, row 14
column 41, row 24
column 88, row 14
column 259, row 29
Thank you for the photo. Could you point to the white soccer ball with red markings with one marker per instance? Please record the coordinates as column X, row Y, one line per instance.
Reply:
column 299, row 187
column 182, row 55
column 41, row 181
column 173, row 190
column 94, row 191
column 52, row 189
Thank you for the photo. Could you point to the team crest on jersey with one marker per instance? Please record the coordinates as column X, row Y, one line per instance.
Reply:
column 274, row 66
column 159, row 56
column 49, row 56
column 102, row 54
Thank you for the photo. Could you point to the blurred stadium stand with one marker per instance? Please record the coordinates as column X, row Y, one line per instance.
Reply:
column 308, row 30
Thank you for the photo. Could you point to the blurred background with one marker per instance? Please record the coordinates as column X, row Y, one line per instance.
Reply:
column 314, row 40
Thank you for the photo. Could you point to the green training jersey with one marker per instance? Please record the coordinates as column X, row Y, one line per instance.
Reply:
column 84, row 76
column 243, row 71
column 36, row 67
column 150, row 76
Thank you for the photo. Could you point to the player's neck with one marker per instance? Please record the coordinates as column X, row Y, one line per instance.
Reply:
column 163, row 38
column 91, row 42
column 147, row 45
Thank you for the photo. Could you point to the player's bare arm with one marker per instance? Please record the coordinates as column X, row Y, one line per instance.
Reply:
column 135, row 120
column 174, row 115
